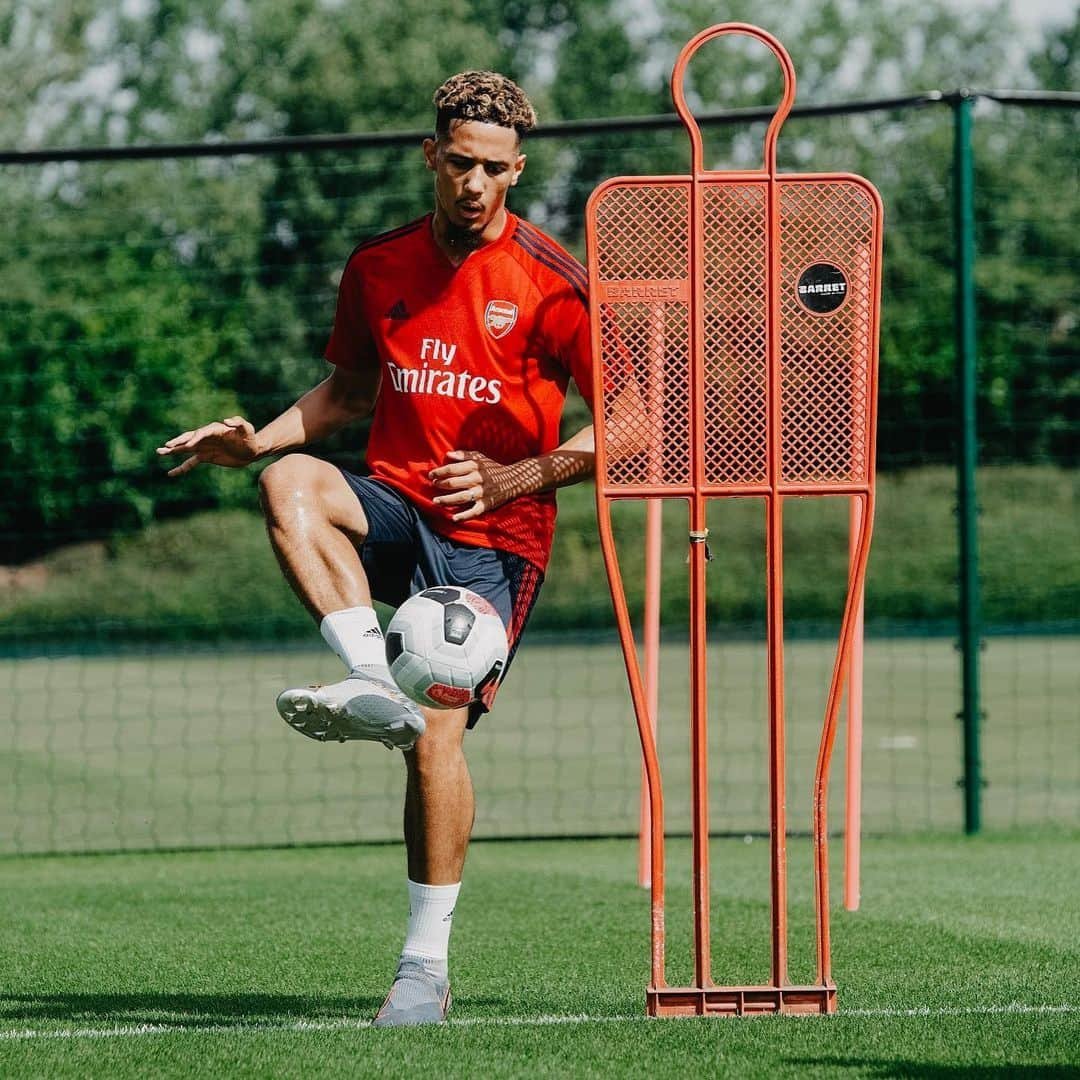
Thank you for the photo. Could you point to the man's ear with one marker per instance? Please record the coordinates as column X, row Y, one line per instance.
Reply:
column 519, row 167
column 430, row 149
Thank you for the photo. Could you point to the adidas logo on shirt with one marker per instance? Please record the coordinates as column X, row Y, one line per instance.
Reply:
column 398, row 311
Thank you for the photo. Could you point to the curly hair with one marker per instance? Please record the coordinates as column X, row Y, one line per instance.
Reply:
column 485, row 96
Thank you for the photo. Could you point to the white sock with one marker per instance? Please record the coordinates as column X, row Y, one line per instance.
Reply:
column 431, row 910
column 354, row 634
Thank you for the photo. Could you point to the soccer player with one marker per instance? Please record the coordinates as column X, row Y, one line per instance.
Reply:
column 460, row 331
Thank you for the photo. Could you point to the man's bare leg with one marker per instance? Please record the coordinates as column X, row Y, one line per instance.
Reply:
column 315, row 522
column 438, row 822
column 439, row 802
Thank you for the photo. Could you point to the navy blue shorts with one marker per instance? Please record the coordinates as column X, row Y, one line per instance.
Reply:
column 403, row 555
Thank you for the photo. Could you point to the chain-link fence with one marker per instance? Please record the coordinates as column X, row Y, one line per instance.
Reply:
column 144, row 625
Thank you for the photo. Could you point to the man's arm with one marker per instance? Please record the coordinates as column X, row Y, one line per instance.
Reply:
column 471, row 478
column 344, row 396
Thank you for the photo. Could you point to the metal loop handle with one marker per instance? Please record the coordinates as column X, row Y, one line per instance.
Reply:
column 678, row 78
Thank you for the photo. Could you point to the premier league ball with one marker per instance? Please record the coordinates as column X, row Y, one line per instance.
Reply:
column 446, row 645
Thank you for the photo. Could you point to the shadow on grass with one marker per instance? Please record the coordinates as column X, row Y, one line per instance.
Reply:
column 184, row 1010
column 198, row 1010
column 921, row 1070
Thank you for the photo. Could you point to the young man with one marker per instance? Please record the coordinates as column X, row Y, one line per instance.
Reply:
column 461, row 331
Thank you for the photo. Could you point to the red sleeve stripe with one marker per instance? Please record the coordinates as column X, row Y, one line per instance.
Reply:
column 546, row 241
column 385, row 237
column 550, row 263
column 544, row 244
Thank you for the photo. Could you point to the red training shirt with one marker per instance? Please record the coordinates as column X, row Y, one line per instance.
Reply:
column 476, row 357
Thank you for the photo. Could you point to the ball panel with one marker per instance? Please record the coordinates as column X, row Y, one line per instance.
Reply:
column 458, row 621
column 395, row 646
column 412, row 674
column 449, row 697
column 482, row 604
column 442, row 594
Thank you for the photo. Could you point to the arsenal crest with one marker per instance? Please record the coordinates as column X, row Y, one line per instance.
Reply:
column 499, row 317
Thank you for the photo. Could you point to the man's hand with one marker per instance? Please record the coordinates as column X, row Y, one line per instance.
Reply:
column 471, row 477
column 230, row 442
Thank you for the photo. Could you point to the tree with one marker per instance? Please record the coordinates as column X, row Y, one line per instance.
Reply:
column 212, row 282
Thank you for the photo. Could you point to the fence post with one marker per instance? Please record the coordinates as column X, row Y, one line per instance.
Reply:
column 967, row 508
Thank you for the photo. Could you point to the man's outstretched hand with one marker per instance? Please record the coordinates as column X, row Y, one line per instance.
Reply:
column 229, row 442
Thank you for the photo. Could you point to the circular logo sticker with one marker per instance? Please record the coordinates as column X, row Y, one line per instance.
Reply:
column 822, row 288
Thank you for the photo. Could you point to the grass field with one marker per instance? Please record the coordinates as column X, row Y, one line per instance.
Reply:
column 182, row 747
column 202, row 578
column 962, row 962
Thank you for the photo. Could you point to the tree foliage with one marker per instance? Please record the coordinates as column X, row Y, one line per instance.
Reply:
column 140, row 298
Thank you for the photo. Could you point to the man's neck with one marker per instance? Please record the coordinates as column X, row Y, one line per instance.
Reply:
column 454, row 249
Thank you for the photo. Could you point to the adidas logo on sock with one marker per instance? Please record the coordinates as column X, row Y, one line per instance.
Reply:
column 398, row 311
column 373, row 632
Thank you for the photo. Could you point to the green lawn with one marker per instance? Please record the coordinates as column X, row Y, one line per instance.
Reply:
column 962, row 961
column 181, row 748
column 212, row 576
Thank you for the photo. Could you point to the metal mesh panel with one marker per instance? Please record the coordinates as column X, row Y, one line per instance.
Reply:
column 825, row 357
column 643, row 232
column 735, row 347
column 654, row 341
column 642, row 260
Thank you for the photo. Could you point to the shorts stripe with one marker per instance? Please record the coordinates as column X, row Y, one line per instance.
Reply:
column 524, row 598
column 524, row 589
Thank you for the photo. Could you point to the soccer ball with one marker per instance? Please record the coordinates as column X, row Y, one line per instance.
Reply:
column 446, row 645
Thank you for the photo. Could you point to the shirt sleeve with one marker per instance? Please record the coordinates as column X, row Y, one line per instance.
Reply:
column 575, row 349
column 574, row 342
column 351, row 345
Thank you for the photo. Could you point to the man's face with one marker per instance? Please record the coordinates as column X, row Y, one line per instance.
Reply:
column 475, row 164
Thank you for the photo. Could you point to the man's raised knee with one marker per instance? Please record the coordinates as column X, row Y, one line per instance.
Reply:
column 297, row 480
column 300, row 482
column 294, row 475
